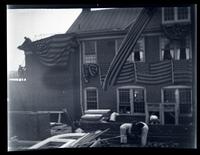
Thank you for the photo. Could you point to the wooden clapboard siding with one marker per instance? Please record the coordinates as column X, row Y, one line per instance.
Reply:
column 152, row 53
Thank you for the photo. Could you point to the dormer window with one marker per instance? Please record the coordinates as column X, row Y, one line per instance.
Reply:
column 175, row 14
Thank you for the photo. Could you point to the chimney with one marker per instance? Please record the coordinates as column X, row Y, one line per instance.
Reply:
column 86, row 9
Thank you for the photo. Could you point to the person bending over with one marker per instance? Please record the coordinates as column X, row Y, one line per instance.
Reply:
column 134, row 131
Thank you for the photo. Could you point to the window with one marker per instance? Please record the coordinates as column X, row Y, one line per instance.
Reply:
column 175, row 14
column 178, row 50
column 91, row 98
column 90, row 52
column 131, row 100
column 138, row 52
column 177, row 102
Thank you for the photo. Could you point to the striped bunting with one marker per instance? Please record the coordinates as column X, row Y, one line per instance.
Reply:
column 127, row 46
column 127, row 74
column 160, row 72
column 103, row 71
column 183, row 71
column 55, row 50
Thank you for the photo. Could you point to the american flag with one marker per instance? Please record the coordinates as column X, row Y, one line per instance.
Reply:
column 127, row 46
column 126, row 75
column 183, row 71
column 55, row 50
column 159, row 72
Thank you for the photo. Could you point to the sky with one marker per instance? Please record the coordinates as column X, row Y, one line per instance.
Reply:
column 34, row 24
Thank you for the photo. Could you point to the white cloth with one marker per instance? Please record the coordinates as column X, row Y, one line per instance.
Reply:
column 124, row 128
column 153, row 117
column 113, row 116
column 144, row 134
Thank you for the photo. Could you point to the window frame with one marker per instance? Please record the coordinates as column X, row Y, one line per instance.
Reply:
column 131, row 88
column 131, row 57
column 95, row 48
column 176, row 20
column 175, row 52
column 85, row 96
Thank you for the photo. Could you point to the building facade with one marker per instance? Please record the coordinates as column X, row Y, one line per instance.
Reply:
column 157, row 77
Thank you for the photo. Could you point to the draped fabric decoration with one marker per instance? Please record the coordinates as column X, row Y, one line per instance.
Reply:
column 127, row 46
column 159, row 73
column 90, row 70
column 54, row 50
column 103, row 71
column 162, row 72
column 183, row 72
column 176, row 31
column 126, row 75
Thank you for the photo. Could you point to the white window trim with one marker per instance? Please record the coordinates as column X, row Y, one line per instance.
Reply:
column 177, row 113
column 131, row 100
column 95, row 48
column 85, row 96
column 176, row 20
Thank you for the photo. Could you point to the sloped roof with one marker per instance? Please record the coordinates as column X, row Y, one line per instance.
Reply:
column 102, row 20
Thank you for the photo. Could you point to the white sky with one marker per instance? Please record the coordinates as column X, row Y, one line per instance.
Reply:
column 34, row 24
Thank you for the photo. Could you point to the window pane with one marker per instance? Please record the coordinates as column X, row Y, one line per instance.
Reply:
column 91, row 97
column 169, row 96
column 169, row 117
column 182, row 53
column 182, row 13
column 124, row 109
column 137, row 56
column 185, row 100
column 168, row 13
column 89, row 47
column 167, row 54
column 124, row 101
column 167, row 50
column 138, row 100
column 90, row 59
column 124, row 97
